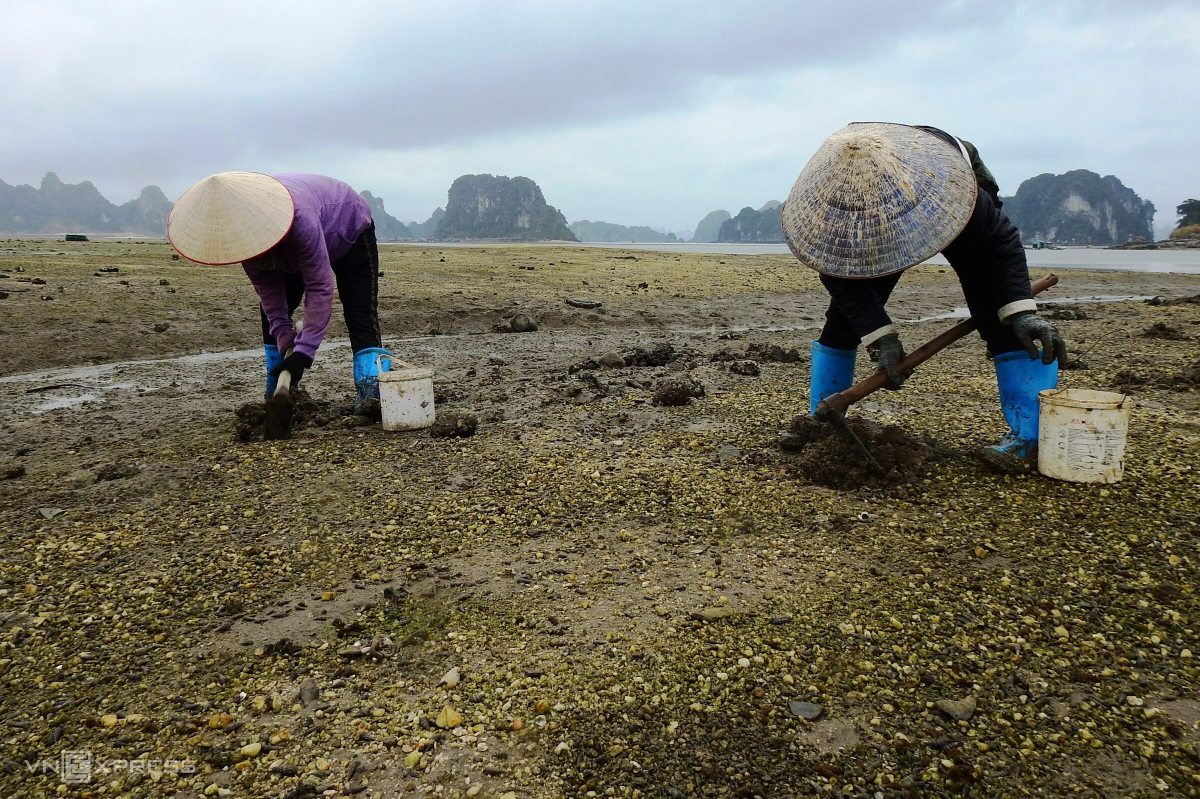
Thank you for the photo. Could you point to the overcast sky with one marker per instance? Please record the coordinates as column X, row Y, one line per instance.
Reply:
column 652, row 112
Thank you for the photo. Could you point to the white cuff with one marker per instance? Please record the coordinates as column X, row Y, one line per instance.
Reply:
column 874, row 336
column 1015, row 308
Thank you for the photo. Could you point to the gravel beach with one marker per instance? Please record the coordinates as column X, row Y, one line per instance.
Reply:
column 596, row 593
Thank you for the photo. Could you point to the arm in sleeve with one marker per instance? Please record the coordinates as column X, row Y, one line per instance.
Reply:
column 859, row 303
column 991, row 246
column 308, row 241
column 268, row 285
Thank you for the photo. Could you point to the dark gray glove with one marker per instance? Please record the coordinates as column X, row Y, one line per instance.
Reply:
column 1029, row 327
column 888, row 352
column 296, row 363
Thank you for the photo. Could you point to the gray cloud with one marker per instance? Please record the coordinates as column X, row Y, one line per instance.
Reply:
column 646, row 113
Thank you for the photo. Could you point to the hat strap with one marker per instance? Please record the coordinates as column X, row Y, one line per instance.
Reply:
column 962, row 148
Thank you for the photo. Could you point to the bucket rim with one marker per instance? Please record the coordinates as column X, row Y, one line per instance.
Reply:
column 1087, row 398
column 405, row 375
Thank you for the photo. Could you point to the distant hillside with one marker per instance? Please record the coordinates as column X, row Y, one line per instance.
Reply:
column 608, row 231
column 500, row 207
column 387, row 227
column 763, row 226
column 1079, row 207
column 55, row 208
column 426, row 229
column 708, row 229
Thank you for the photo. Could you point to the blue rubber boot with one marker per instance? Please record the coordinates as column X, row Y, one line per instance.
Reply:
column 1020, row 378
column 368, row 363
column 273, row 359
column 832, row 371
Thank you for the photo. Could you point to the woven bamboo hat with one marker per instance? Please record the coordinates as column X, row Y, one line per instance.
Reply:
column 877, row 198
column 230, row 217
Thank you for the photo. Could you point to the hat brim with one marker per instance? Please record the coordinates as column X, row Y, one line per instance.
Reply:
column 230, row 217
column 877, row 198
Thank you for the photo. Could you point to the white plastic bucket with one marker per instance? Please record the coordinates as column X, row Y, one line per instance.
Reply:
column 405, row 396
column 1081, row 435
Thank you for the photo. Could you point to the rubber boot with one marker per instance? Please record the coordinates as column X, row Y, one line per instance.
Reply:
column 1020, row 378
column 368, row 363
column 832, row 371
column 273, row 359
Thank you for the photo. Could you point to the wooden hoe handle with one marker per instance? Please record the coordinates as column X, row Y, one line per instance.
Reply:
column 869, row 385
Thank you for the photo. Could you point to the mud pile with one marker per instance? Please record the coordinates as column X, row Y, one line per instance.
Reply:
column 822, row 456
column 306, row 412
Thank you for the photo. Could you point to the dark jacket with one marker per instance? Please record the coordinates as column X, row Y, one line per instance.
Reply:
column 989, row 246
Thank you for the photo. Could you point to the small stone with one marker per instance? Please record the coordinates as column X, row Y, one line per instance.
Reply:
column 1135, row 701
column 250, row 750
column 451, row 678
column 957, row 709
column 352, row 652
column 474, row 790
column 412, row 759
column 611, row 360
column 809, row 711
column 711, row 614
column 109, row 719
column 162, row 327
column 449, row 718
column 745, row 368
column 50, row 513
column 328, row 596
column 586, row 304
column 541, row 707
column 517, row 724
column 677, row 390
column 309, row 692
column 218, row 720
column 523, row 323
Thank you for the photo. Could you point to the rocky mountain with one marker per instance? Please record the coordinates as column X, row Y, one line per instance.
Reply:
column 608, row 231
column 500, row 207
column 709, row 228
column 426, row 229
column 387, row 227
column 55, row 208
column 1079, row 207
column 763, row 226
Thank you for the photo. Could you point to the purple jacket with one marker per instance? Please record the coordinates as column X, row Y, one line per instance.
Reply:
column 329, row 218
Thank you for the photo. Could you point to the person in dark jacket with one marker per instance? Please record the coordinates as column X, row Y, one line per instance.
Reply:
column 878, row 198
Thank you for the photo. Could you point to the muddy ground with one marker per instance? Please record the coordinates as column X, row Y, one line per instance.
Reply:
column 595, row 594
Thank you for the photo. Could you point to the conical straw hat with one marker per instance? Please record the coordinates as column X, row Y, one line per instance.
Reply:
column 230, row 217
column 877, row 198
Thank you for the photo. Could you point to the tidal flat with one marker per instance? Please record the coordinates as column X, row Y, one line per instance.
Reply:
column 593, row 595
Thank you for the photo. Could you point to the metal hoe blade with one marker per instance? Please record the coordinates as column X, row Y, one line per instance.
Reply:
column 827, row 413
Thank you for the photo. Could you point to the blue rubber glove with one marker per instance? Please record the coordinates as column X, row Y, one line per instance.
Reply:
column 1029, row 327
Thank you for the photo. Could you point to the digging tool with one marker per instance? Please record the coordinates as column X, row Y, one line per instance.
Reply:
column 832, row 409
column 277, row 424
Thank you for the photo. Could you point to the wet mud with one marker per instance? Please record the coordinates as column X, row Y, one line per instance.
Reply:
column 821, row 455
column 307, row 412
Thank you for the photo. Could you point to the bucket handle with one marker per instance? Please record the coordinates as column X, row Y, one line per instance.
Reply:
column 392, row 359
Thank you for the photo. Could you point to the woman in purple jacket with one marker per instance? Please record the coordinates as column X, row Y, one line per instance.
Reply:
column 295, row 235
